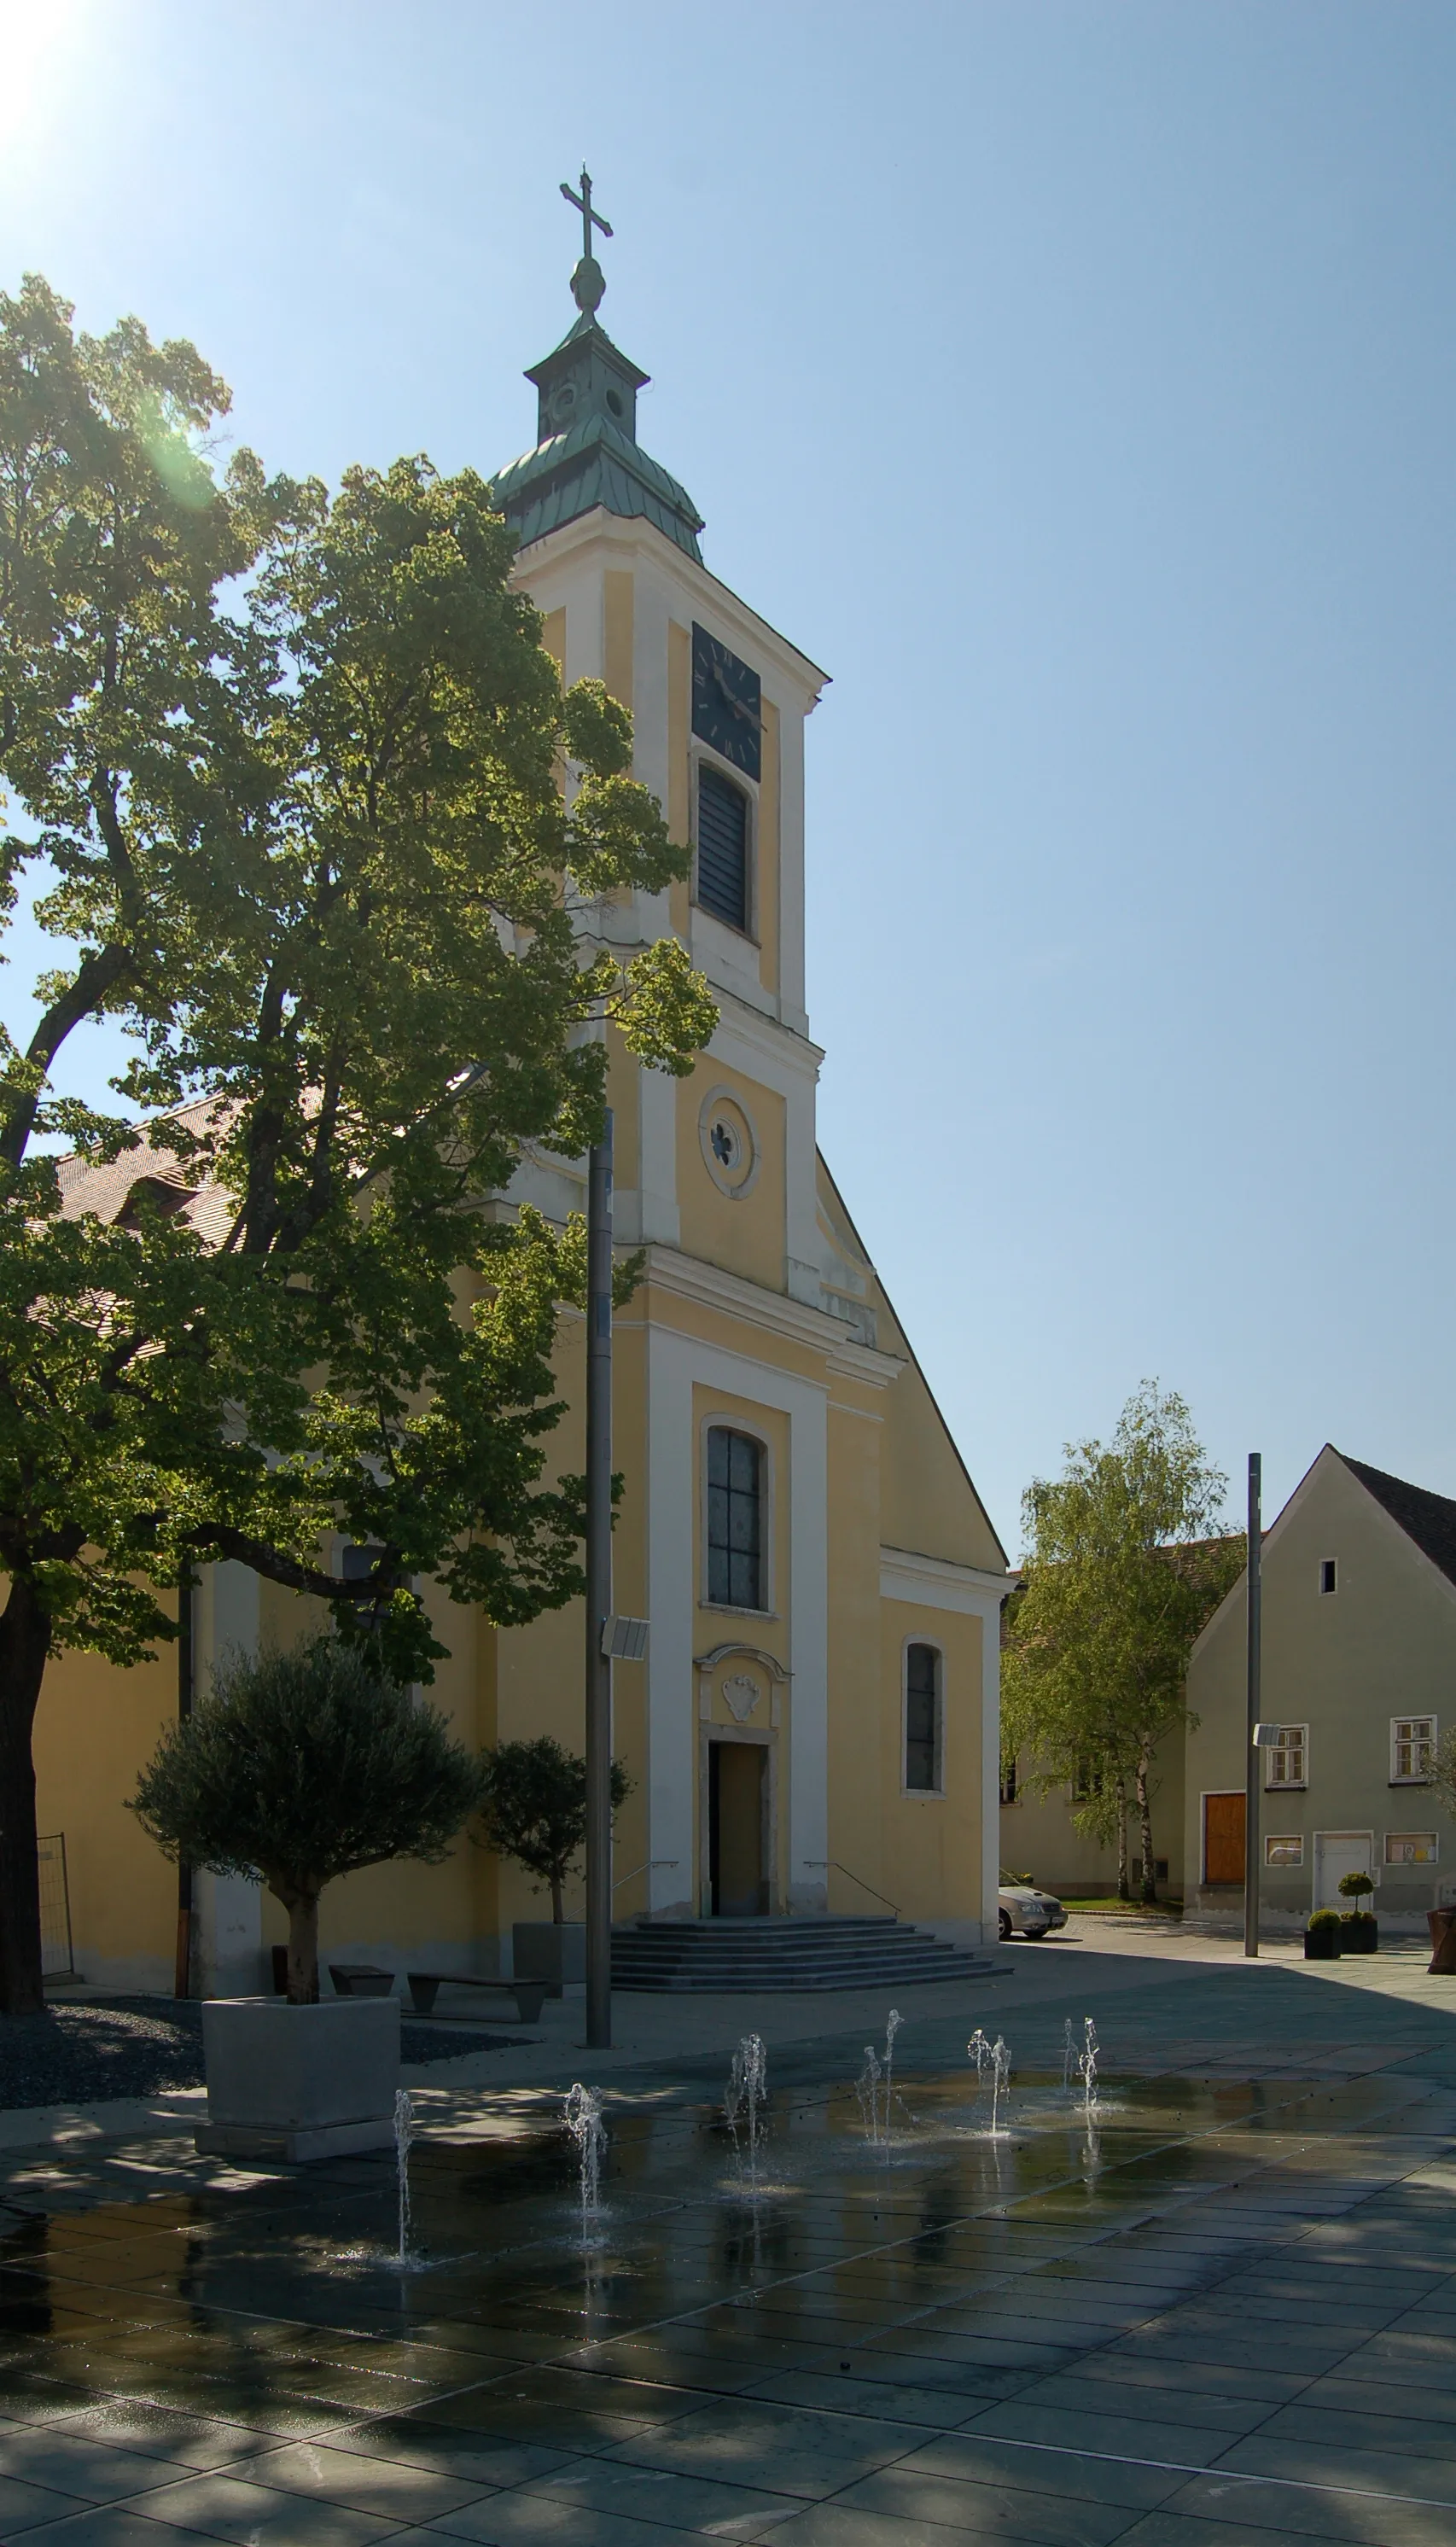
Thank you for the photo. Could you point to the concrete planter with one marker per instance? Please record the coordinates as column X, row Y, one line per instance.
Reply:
column 1322, row 1945
column 1360, row 1936
column 299, row 2082
column 542, row 1952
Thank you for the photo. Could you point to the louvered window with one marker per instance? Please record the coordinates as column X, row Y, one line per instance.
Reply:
column 722, row 847
column 922, row 1719
column 736, row 1568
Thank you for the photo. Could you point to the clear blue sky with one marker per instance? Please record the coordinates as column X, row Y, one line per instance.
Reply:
column 1074, row 379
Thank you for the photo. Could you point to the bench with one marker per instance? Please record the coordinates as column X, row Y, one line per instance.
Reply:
column 530, row 1996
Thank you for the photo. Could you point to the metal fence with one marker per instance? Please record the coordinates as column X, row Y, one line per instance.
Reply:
column 57, row 1959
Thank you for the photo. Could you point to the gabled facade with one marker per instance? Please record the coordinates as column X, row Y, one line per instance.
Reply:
column 816, row 1722
column 1360, row 1679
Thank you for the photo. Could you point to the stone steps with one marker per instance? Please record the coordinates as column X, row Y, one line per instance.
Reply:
column 801, row 1954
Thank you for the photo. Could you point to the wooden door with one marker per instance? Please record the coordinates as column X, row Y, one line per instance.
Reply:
column 735, row 1829
column 1223, row 1838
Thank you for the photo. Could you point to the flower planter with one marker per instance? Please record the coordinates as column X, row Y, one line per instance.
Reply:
column 540, row 1950
column 299, row 2082
column 1360, row 1936
column 1442, row 1926
column 1322, row 1945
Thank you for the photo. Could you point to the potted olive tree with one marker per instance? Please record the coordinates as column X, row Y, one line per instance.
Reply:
column 534, row 1809
column 1359, row 1929
column 1322, row 1937
column 299, row 1767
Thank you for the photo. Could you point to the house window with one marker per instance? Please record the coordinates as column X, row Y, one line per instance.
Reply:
column 1288, row 1758
column 1087, row 1784
column 1412, row 1748
column 1410, row 1848
column 1009, row 1782
column 723, row 847
column 1284, row 1849
column 735, row 1568
column 1327, row 1579
column 922, row 1719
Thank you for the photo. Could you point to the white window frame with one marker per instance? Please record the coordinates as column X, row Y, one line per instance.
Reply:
column 702, row 754
column 922, row 1795
column 1397, row 1838
column 1274, row 1784
column 1283, row 1839
column 1415, row 1743
column 720, row 1421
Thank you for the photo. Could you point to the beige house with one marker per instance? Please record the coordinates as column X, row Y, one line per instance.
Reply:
column 1359, row 1680
column 1040, row 1837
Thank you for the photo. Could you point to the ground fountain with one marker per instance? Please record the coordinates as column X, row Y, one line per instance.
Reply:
column 404, row 2134
column 1087, row 2064
column 867, row 2089
column 583, row 2119
column 746, row 2089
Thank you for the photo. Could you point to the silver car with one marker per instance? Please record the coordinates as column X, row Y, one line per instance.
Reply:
column 1024, row 1907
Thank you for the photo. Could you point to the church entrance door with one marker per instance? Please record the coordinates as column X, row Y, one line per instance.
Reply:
column 735, row 1793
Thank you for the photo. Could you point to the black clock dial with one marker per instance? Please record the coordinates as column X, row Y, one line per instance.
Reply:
column 728, row 703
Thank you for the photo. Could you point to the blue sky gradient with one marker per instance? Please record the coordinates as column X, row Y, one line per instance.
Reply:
column 1074, row 379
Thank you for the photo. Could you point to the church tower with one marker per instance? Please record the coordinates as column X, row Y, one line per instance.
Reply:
column 778, row 1446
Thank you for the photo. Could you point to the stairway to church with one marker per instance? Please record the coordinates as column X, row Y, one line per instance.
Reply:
column 815, row 1953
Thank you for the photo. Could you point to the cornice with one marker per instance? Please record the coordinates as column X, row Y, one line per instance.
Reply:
column 906, row 1575
column 688, row 1277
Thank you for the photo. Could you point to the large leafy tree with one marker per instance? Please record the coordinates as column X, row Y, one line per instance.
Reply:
column 320, row 827
column 1127, row 1563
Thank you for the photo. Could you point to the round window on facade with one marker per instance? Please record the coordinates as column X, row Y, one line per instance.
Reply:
column 728, row 1142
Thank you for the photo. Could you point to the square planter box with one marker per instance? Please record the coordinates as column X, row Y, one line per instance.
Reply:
column 1360, row 1936
column 542, row 1952
column 299, row 2082
column 1322, row 1945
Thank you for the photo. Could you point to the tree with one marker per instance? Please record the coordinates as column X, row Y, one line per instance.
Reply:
column 533, row 1807
column 300, row 1767
column 1126, row 1564
column 313, row 847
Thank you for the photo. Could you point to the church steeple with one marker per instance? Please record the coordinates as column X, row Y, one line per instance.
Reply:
column 586, row 453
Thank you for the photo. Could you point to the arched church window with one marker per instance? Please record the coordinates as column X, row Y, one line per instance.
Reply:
column 735, row 1566
column 723, row 847
column 922, row 1719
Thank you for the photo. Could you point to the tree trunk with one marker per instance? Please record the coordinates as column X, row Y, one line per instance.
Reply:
column 558, row 1907
column 1124, row 1888
column 24, row 1644
column 1145, row 1816
column 301, row 1905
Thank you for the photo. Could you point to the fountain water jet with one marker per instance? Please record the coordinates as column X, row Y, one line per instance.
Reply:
column 1000, row 2072
column 583, row 2119
column 1087, row 2066
column 748, row 2085
column 404, row 2134
column 867, row 2088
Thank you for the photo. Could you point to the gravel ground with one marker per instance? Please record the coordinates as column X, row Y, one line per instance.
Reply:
column 75, row 2055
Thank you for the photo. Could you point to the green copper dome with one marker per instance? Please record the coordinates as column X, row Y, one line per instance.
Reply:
column 587, row 453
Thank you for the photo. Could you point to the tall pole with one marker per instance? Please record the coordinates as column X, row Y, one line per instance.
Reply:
column 599, row 1592
column 182, row 1974
column 1251, row 1758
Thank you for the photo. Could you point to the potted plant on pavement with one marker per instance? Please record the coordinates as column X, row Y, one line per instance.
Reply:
column 299, row 1767
column 534, row 1809
column 1359, row 1929
column 1322, row 1937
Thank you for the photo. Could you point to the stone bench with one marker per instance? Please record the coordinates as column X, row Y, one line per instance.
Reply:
column 529, row 1997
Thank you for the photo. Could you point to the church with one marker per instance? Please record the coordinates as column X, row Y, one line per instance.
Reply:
column 813, row 1725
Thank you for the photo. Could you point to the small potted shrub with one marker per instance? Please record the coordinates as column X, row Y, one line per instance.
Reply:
column 1359, row 1928
column 1322, row 1937
column 534, row 1808
column 300, row 1767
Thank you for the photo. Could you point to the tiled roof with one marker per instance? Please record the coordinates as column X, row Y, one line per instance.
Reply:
column 106, row 1187
column 1430, row 1519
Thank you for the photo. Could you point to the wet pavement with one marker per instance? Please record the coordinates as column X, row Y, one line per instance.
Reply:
column 1217, row 2309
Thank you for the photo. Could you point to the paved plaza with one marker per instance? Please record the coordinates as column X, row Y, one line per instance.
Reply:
column 1217, row 2309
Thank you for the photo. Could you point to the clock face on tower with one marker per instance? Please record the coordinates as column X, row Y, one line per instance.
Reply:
column 728, row 704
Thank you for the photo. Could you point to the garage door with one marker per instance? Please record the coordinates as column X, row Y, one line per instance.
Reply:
column 1223, row 1838
column 1338, row 1853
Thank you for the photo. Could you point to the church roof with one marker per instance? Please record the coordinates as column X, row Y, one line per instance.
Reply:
column 593, row 464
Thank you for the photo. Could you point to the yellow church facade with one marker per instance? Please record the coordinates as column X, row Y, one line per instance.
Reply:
column 814, row 1724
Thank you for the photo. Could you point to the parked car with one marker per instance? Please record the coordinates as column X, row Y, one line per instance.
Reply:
column 1026, row 1907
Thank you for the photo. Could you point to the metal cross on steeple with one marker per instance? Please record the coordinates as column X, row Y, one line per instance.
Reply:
column 589, row 219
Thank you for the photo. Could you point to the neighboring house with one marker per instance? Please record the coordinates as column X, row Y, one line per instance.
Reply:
column 816, row 1721
column 1359, row 1678
column 1040, row 1838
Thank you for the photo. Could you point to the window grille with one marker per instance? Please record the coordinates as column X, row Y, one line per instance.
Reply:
column 1412, row 1748
column 1287, row 1849
column 922, row 1719
column 722, row 847
column 57, row 1956
column 736, row 1568
column 1410, row 1848
column 1288, row 1758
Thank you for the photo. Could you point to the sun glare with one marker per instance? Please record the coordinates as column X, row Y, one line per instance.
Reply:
column 42, row 45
